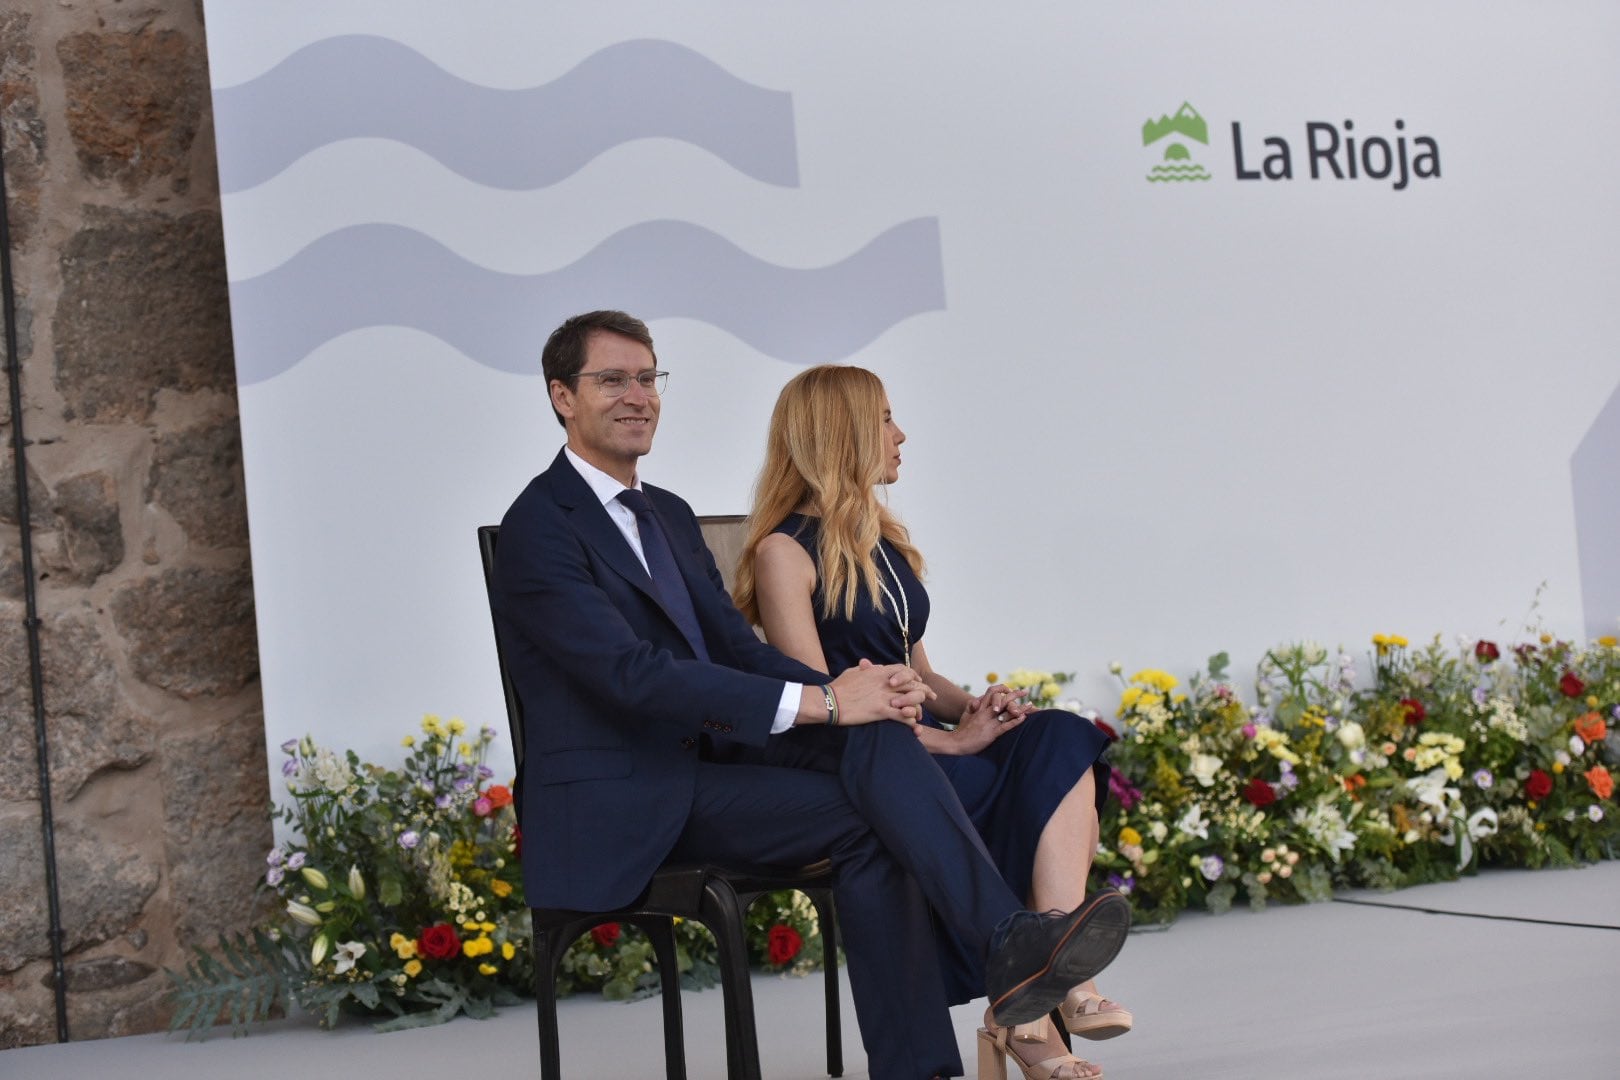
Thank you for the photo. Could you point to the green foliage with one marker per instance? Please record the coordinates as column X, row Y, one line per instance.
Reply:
column 245, row 980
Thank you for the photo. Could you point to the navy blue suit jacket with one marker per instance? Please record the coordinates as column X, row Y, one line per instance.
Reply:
column 614, row 700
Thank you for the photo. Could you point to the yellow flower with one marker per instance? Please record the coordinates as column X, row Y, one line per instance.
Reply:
column 457, row 725
column 487, row 969
column 1050, row 690
column 1591, row 701
column 431, row 725
column 1608, row 641
column 1128, row 700
column 1162, row 681
column 403, row 947
column 1558, row 766
column 508, row 950
column 414, row 968
column 1546, row 639
column 1397, row 641
column 408, row 741
column 500, row 888
column 467, row 751
column 1128, row 835
column 992, row 678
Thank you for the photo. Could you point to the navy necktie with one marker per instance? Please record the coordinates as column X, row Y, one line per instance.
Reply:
column 666, row 576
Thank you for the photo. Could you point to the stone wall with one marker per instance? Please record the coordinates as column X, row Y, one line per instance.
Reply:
column 158, row 774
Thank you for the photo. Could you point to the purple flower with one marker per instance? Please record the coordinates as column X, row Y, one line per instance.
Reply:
column 408, row 839
column 443, row 801
column 295, row 860
column 274, row 875
column 290, row 746
column 485, row 772
column 1480, row 694
column 289, row 767
column 1248, row 731
column 1123, row 790
column 464, row 785
column 1287, row 781
column 1483, row 778
column 1123, row 884
column 274, row 858
column 1212, row 867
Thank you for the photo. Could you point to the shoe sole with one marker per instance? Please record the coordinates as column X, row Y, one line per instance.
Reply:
column 1095, row 936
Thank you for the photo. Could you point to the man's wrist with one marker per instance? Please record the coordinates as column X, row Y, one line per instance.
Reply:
column 830, row 698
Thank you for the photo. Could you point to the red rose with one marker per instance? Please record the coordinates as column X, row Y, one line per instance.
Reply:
column 1486, row 651
column 1260, row 793
column 438, row 942
column 1539, row 785
column 606, row 934
column 1570, row 686
column 1413, row 710
column 782, row 943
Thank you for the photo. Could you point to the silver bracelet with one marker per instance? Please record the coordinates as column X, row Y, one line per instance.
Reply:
column 832, row 704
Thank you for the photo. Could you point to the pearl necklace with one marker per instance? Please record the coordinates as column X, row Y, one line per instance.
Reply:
column 902, row 610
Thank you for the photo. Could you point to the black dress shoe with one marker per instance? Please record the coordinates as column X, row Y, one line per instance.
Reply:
column 1036, row 958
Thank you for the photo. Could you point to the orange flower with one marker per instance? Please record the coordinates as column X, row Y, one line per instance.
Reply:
column 1351, row 783
column 498, row 795
column 1599, row 780
column 1590, row 728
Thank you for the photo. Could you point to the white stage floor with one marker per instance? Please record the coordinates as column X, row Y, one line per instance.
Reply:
column 1518, row 979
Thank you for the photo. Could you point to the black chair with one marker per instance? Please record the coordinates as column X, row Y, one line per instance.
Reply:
column 716, row 897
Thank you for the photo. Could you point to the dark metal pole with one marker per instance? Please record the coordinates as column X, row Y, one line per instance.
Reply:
column 36, row 671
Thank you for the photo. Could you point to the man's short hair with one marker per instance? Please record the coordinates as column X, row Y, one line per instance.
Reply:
column 564, row 354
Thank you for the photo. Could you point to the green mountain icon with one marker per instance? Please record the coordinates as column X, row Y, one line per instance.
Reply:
column 1187, row 121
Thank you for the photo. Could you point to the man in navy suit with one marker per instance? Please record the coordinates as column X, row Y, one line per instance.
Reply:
column 658, row 727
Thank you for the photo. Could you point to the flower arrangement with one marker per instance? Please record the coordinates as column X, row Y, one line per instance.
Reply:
column 1044, row 687
column 399, row 893
column 399, row 896
column 1447, row 761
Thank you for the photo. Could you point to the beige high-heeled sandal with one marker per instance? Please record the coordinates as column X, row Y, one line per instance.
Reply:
column 997, row 1044
column 1083, row 1015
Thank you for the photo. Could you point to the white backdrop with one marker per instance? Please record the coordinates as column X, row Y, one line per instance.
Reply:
column 1148, row 420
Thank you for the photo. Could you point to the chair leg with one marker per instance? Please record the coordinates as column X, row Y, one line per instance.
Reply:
column 548, row 951
column 1062, row 1030
column 661, row 932
column 724, row 917
column 827, row 919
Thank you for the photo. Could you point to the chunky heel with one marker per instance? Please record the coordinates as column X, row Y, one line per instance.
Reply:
column 992, row 1062
column 997, row 1044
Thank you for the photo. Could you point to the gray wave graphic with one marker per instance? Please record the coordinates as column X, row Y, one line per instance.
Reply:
column 389, row 275
column 359, row 86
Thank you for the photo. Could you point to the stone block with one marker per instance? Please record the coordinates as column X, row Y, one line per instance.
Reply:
column 196, row 476
column 90, row 727
column 40, row 503
column 190, row 630
column 24, row 924
column 216, row 797
column 92, row 540
column 135, row 101
column 22, row 129
column 143, row 306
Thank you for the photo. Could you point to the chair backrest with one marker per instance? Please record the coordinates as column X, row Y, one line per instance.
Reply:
column 725, row 533
column 488, row 537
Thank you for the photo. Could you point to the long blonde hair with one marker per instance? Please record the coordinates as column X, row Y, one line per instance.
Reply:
column 825, row 450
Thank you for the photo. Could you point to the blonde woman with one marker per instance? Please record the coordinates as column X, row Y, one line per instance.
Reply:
column 832, row 577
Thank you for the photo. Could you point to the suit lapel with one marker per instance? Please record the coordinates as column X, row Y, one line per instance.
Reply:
column 590, row 518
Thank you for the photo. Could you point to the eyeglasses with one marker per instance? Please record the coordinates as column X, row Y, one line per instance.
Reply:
column 614, row 383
